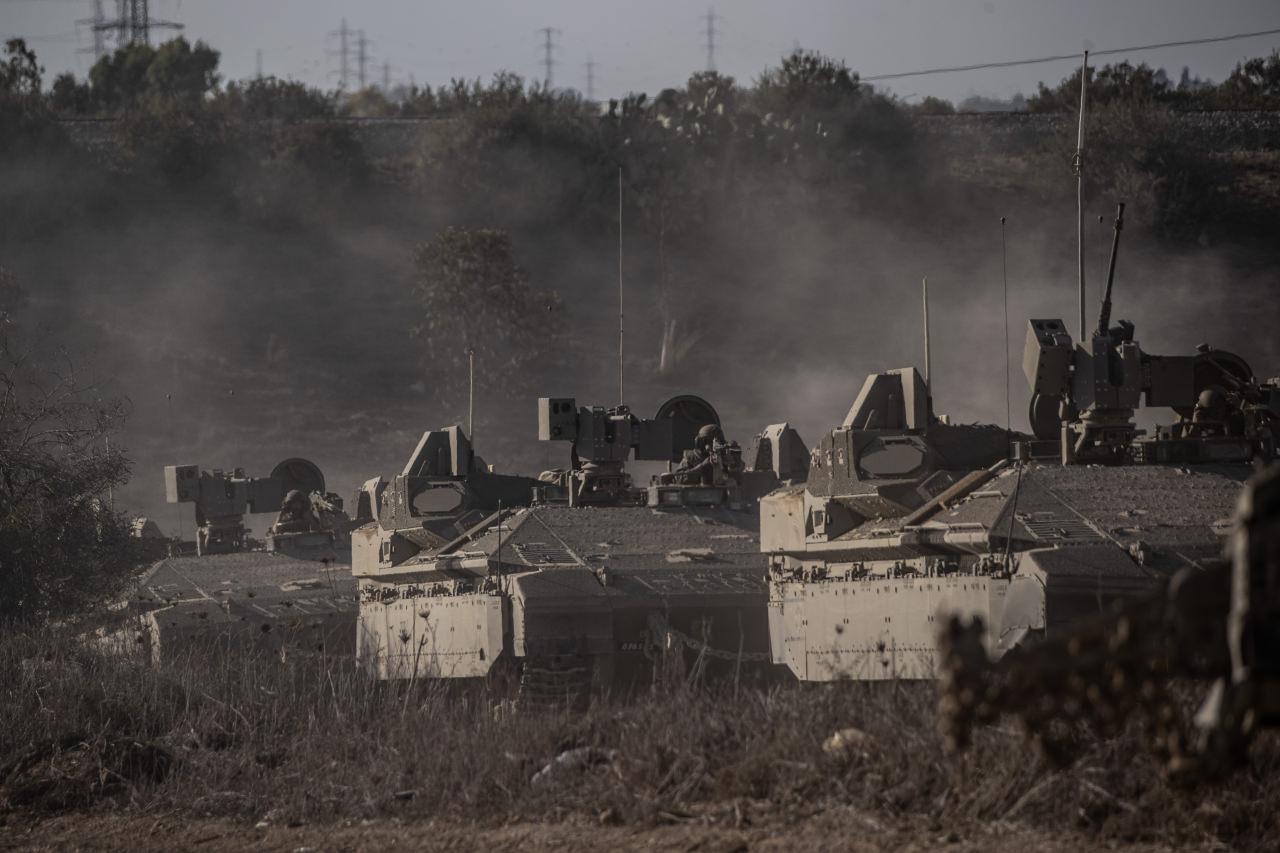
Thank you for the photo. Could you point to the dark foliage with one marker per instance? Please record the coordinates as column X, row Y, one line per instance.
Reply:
column 477, row 300
column 62, row 547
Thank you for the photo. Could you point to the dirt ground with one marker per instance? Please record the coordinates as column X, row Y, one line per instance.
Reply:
column 844, row 829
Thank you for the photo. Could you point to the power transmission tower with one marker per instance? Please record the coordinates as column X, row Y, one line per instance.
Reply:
column 362, row 57
column 548, row 54
column 711, row 33
column 133, row 23
column 344, row 54
column 98, row 26
column 386, row 77
column 591, row 79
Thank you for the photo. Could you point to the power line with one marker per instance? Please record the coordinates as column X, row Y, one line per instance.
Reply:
column 548, row 54
column 1064, row 56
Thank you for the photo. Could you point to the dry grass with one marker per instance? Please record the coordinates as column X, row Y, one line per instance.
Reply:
column 314, row 740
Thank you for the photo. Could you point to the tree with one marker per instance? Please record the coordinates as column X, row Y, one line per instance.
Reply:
column 932, row 106
column 180, row 72
column 20, row 73
column 174, row 73
column 272, row 98
column 476, row 298
column 62, row 548
column 1253, row 85
column 69, row 96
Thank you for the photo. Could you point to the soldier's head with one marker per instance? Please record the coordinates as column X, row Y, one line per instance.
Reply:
column 707, row 436
column 1211, row 404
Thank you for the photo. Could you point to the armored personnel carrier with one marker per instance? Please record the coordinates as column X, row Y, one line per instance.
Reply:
column 1217, row 623
column 293, row 594
column 907, row 521
column 580, row 577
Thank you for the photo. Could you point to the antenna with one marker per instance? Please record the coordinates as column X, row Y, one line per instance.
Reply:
column 925, row 301
column 1004, row 275
column 471, row 396
column 1077, row 165
column 621, row 396
column 1104, row 318
column 591, row 79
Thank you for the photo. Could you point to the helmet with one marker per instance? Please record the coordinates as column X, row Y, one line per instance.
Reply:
column 707, row 435
column 1211, row 399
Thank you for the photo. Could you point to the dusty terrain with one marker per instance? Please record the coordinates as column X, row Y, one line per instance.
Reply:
column 844, row 828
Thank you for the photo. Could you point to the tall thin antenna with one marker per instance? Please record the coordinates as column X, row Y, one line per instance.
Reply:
column 591, row 79
column 924, row 285
column 621, row 388
column 471, row 396
column 1077, row 165
column 499, row 551
column 1004, row 276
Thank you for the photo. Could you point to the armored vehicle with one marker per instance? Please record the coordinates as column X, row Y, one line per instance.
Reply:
column 293, row 594
column 1218, row 623
column 906, row 520
column 580, row 577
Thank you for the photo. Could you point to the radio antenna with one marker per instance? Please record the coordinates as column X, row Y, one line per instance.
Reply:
column 924, row 285
column 1077, row 165
column 1004, row 276
column 1104, row 317
column 471, row 396
column 621, row 395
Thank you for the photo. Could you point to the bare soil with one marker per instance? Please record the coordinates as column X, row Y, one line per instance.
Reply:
column 835, row 829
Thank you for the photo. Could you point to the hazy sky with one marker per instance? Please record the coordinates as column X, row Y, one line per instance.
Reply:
column 646, row 46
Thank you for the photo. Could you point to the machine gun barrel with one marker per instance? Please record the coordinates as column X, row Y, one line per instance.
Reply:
column 1104, row 319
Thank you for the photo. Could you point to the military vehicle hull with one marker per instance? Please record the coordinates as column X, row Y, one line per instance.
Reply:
column 604, row 593
column 873, row 630
column 1031, row 551
column 252, row 599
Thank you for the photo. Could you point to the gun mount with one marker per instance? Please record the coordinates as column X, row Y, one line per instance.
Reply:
column 1084, row 396
column 704, row 469
column 221, row 500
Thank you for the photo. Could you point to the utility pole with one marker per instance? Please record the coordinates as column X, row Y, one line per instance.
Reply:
column 344, row 54
column 362, row 57
column 1077, row 164
column 711, row 34
column 591, row 79
column 548, row 54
